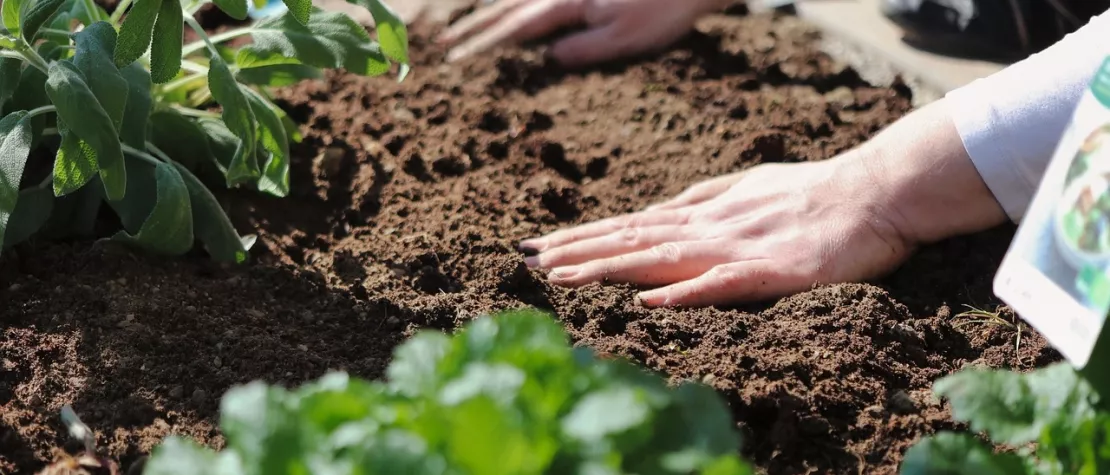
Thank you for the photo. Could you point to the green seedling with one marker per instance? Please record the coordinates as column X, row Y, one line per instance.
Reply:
column 976, row 316
column 1054, row 417
column 98, row 110
column 508, row 394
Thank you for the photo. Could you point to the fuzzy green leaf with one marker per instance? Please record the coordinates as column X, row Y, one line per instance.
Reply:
column 93, row 57
column 1015, row 408
column 179, row 456
column 329, row 40
column 168, row 229
column 278, row 75
column 165, row 52
column 211, row 225
column 75, row 214
column 29, row 95
column 240, row 120
column 31, row 213
column 179, row 137
column 82, row 112
column 75, row 163
column 271, row 133
column 37, row 14
column 10, row 16
column 392, row 34
column 136, row 116
column 15, row 147
column 300, row 9
column 10, row 71
column 950, row 453
column 236, row 9
column 136, row 32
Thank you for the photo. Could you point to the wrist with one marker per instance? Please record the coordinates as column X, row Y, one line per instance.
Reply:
column 918, row 166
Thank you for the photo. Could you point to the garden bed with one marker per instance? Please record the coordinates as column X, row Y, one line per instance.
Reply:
column 407, row 202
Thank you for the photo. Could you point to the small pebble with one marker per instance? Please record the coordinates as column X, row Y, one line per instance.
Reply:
column 900, row 402
column 199, row 395
column 218, row 362
column 393, row 320
column 177, row 392
column 190, row 308
column 302, row 347
column 14, row 287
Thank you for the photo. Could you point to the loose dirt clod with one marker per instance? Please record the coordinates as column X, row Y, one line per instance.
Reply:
column 421, row 232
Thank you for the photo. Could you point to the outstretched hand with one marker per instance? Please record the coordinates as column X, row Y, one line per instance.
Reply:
column 762, row 233
column 614, row 28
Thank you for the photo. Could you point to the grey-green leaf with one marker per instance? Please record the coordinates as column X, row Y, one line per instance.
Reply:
column 75, row 163
column 10, row 71
column 271, row 134
column 278, row 75
column 240, row 119
column 136, row 32
column 179, row 137
column 236, row 9
column 392, row 34
column 168, row 229
column 38, row 13
column 300, row 9
column 81, row 111
column 165, row 52
column 93, row 57
column 330, row 40
column 31, row 212
column 15, row 147
column 210, row 224
column 136, row 115
column 10, row 12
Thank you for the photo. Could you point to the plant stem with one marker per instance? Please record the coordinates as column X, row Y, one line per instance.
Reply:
column 194, row 67
column 120, row 9
column 202, row 34
column 141, row 154
column 40, row 111
column 55, row 31
column 94, row 11
column 156, row 151
column 195, row 113
column 28, row 54
column 185, row 81
column 219, row 38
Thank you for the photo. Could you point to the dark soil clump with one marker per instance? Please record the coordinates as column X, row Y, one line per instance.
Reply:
column 408, row 201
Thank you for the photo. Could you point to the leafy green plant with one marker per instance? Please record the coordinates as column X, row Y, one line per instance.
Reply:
column 1051, row 418
column 506, row 395
column 116, row 109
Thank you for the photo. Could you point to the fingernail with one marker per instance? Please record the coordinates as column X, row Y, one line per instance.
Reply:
column 532, row 262
column 530, row 247
column 564, row 273
column 650, row 299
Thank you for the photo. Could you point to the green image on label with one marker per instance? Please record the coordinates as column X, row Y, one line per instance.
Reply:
column 1094, row 284
column 1100, row 86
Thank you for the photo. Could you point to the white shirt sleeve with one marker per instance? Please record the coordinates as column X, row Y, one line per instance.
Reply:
column 1010, row 122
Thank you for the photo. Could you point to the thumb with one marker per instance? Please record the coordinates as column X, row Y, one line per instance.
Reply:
column 588, row 47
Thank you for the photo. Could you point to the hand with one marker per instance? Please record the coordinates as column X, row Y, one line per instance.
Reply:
column 781, row 228
column 770, row 231
column 615, row 28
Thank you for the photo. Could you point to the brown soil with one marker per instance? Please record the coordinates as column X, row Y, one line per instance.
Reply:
column 410, row 222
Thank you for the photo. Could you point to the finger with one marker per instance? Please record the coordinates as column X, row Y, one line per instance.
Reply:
column 697, row 194
column 613, row 244
column 605, row 226
column 590, row 46
column 726, row 284
column 663, row 264
column 478, row 20
column 530, row 21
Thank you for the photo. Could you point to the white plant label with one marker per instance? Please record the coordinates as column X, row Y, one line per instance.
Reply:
column 1056, row 273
